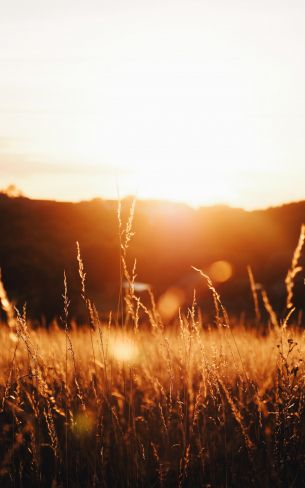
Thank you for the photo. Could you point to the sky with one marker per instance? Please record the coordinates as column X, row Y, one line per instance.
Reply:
column 195, row 101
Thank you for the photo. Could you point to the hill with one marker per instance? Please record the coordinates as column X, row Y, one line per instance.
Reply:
column 38, row 243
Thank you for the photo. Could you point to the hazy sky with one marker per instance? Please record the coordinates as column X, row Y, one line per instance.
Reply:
column 199, row 101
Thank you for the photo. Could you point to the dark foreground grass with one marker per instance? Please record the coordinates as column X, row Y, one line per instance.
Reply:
column 141, row 405
column 185, row 408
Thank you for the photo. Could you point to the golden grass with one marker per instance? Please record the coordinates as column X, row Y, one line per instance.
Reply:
column 133, row 403
column 152, row 407
column 294, row 268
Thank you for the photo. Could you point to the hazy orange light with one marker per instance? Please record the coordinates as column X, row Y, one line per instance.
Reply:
column 169, row 303
column 220, row 271
column 13, row 337
column 4, row 303
column 83, row 424
column 123, row 349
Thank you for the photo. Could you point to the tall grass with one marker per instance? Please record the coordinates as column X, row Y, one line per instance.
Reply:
column 133, row 403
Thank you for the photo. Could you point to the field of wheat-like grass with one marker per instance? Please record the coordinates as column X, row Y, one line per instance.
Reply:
column 133, row 402
column 185, row 407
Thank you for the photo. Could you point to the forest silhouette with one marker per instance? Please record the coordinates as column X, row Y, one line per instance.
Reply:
column 38, row 242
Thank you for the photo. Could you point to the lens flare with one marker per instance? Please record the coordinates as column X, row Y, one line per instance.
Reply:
column 83, row 425
column 170, row 302
column 220, row 271
column 123, row 349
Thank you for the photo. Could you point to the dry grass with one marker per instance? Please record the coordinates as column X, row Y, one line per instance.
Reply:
column 178, row 408
column 132, row 403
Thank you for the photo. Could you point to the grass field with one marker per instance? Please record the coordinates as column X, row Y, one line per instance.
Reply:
column 101, row 407
column 141, row 404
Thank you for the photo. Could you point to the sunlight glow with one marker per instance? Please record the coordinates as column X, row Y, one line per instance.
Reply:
column 124, row 350
column 220, row 271
column 83, row 424
column 170, row 302
column 200, row 102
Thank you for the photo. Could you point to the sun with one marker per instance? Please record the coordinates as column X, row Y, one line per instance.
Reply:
column 195, row 187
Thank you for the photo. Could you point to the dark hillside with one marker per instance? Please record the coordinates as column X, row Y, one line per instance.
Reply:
column 38, row 242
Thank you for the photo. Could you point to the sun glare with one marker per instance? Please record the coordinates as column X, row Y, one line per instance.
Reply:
column 160, row 100
column 124, row 350
column 220, row 271
column 170, row 302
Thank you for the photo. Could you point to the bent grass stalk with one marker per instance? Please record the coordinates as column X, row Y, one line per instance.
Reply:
column 294, row 268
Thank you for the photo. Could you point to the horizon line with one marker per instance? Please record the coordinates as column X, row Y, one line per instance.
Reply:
column 20, row 195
